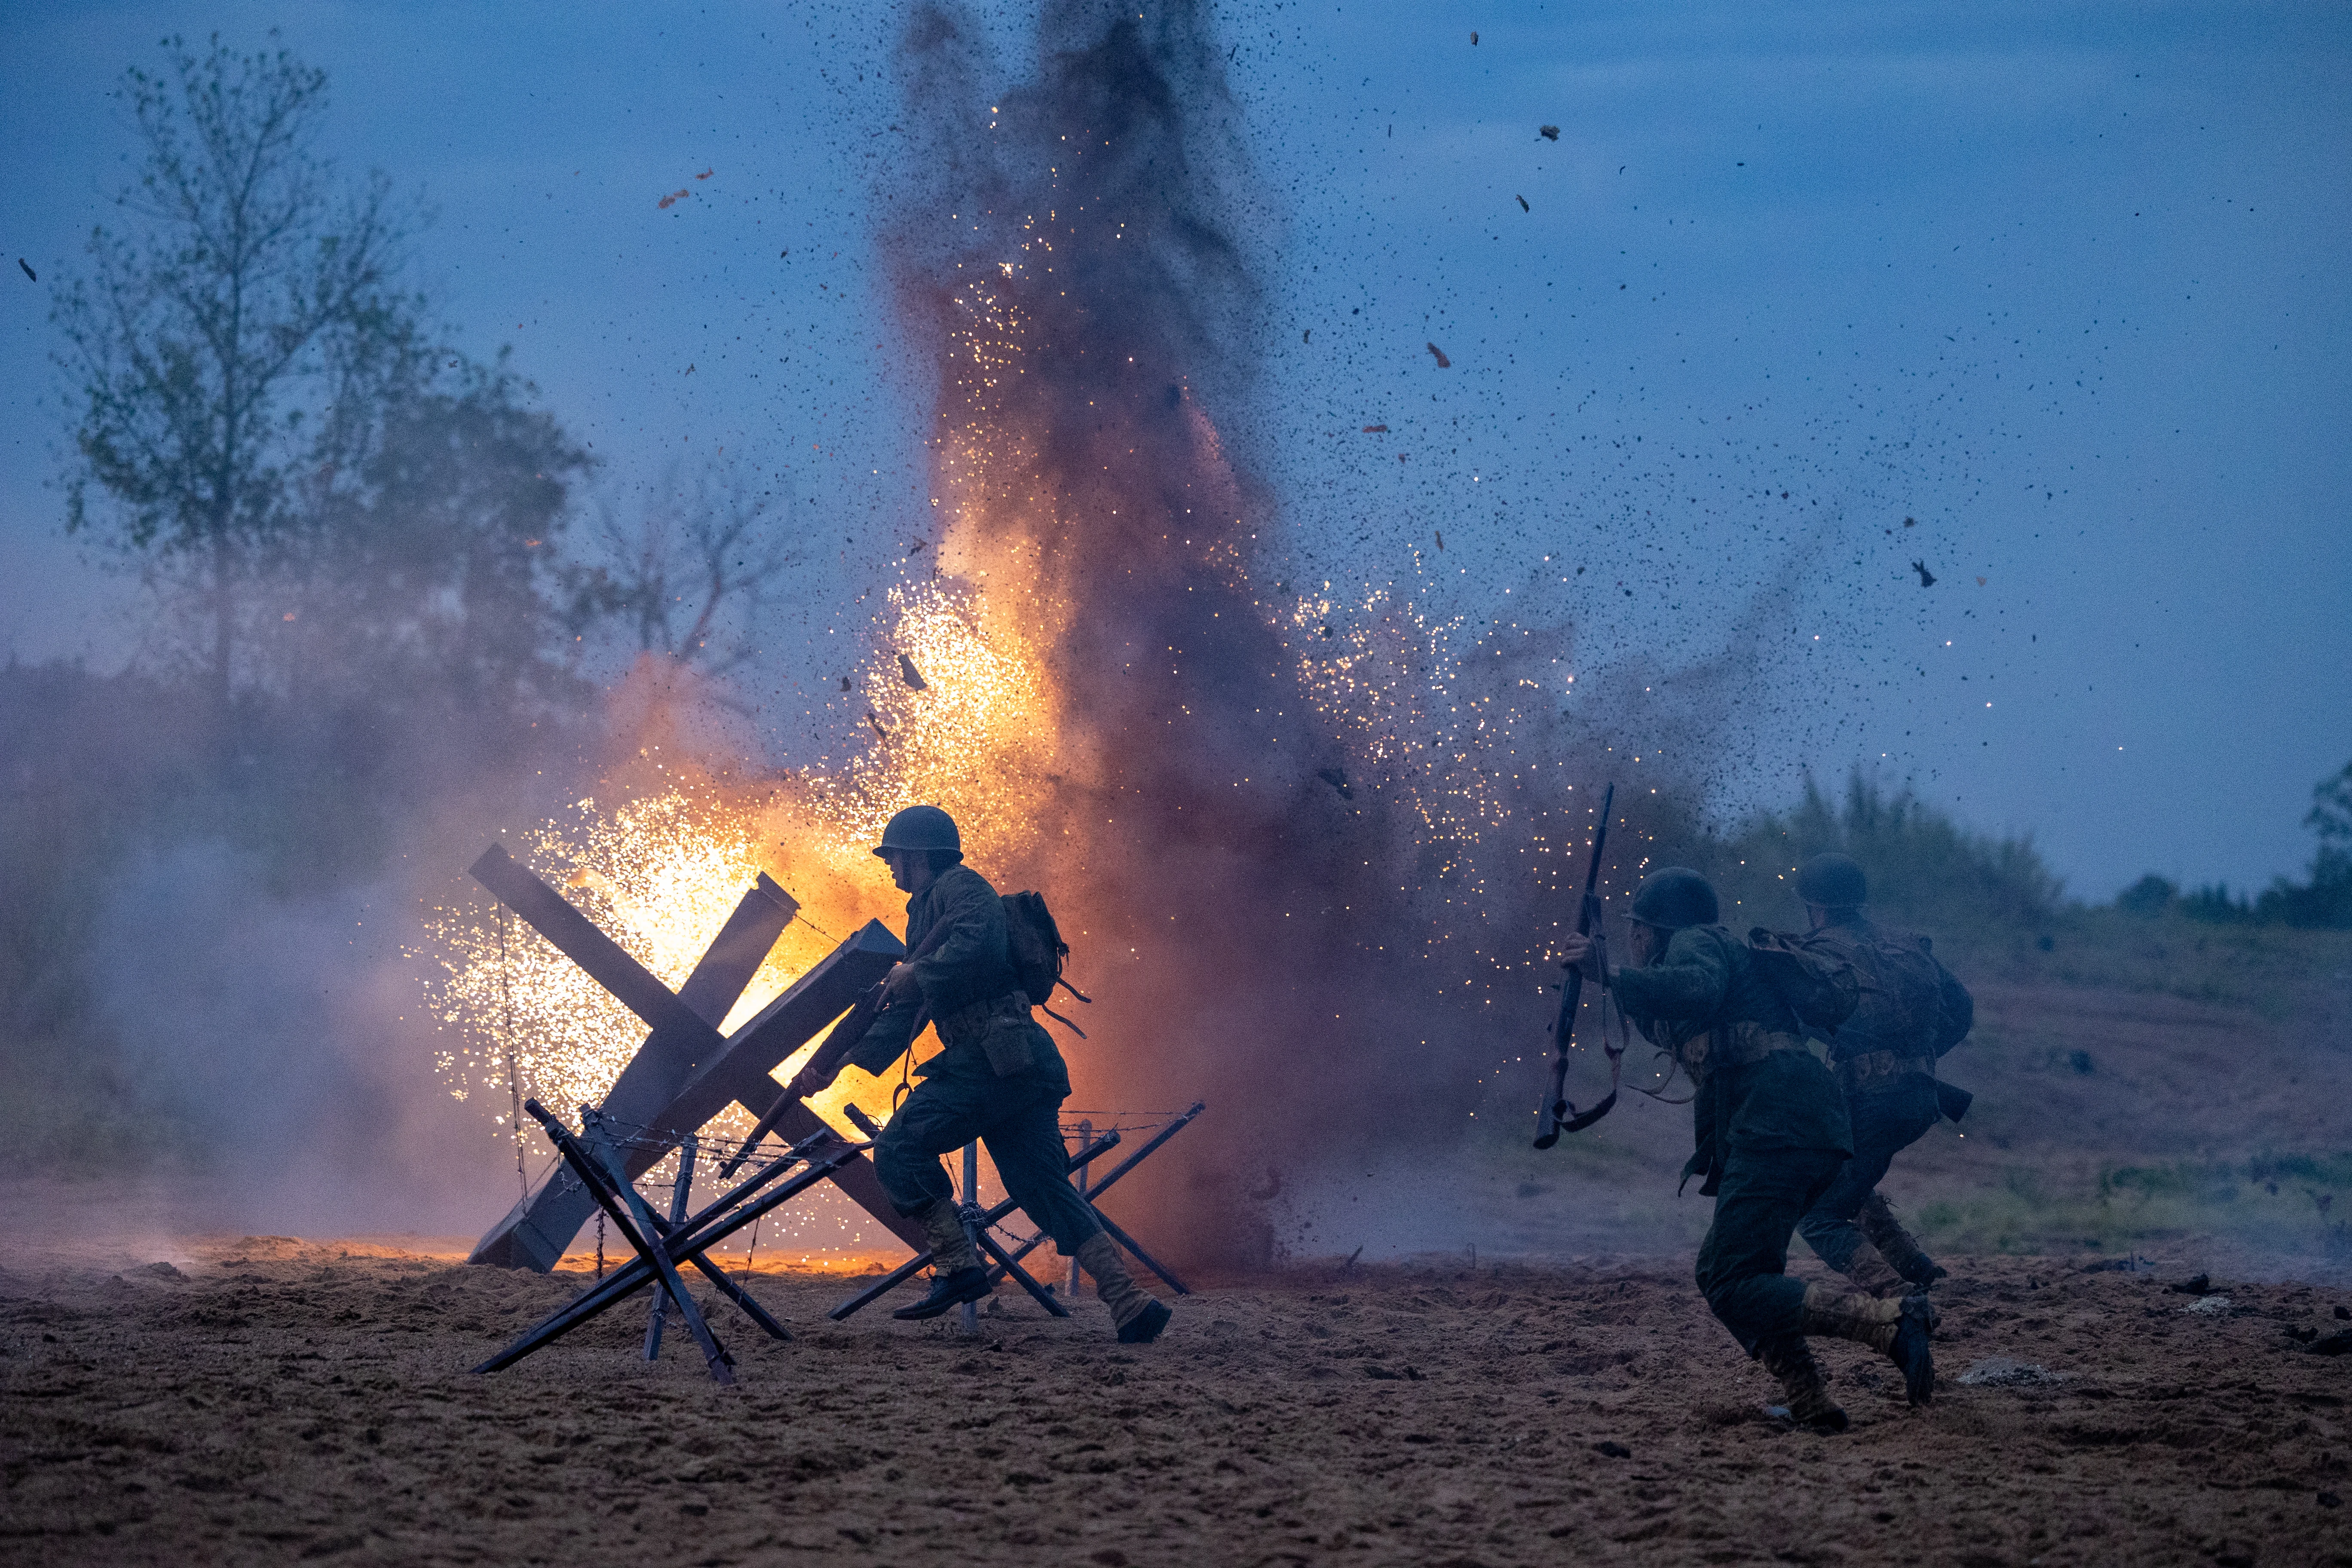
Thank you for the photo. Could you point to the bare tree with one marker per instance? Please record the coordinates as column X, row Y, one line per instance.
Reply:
column 692, row 574
column 230, row 354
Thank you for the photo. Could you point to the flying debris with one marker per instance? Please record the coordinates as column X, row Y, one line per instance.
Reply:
column 1376, row 429
column 909, row 674
column 1439, row 355
column 1907, row 522
column 915, row 547
column 1441, row 537
column 705, row 173
column 1926, row 578
column 28, row 269
column 1980, row 582
column 1307, row 336
column 1523, row 205
column 1338, row 779
column 1473, row 40
column 1548, row 132
column 845, row 683
column 878, row 730
column 673, row 198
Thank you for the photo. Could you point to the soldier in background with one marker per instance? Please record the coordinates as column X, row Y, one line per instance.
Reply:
column 1771, row 1135
column 1912, row 1012
column 1000, row 1080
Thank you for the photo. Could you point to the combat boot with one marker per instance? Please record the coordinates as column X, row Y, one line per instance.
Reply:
column 1137, row 1316
column 1791, row 1359
column 1876, row 1220
column 1869, row 1269
column 956, row 1274
column 1899, row 1330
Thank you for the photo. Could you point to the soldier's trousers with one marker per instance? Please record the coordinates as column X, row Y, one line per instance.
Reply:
column 1019, row 1121
column 1884, row 1126
column 1743, row 1264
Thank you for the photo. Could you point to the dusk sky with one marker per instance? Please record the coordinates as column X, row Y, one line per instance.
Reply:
column 2065, row 286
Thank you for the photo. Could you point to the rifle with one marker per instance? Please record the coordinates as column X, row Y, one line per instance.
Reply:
column 1556, row 1115
column 838, row 1042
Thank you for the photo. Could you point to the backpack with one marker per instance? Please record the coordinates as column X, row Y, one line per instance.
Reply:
column 1906, row 1000
column 1821, row 994
column 1038, row 953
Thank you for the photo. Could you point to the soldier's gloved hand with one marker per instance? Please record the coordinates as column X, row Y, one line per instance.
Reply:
column 1587, row 955
column 900, row 982
column 807, row 1081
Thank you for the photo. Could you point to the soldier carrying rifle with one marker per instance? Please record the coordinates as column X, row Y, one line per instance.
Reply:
column 1000, row 1080
column 1771, row 1133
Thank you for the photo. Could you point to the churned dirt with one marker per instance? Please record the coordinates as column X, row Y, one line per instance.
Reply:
column 267, row 1400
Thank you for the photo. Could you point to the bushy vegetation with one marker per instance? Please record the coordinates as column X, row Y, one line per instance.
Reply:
column 1924, row 869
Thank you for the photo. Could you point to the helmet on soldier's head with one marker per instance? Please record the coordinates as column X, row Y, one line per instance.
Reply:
column 1673, row 896
column 922, row 827
column 1833, row 881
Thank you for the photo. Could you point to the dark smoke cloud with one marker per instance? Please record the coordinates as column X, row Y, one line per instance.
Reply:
column 1301, row 957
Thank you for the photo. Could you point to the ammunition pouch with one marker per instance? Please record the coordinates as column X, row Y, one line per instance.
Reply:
column 999, row 1025
column 1732, row 1045
column 1878, row 1069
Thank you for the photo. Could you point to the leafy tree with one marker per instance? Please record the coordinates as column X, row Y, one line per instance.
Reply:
column 2324, row 901
column 2148, row 897
column 434, row 583
column 2331, row 809
column 229, row 353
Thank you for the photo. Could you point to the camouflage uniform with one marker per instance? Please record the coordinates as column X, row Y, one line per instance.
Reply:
column 1913, row 1010
column 1769, row 1124
column 1000, row 1079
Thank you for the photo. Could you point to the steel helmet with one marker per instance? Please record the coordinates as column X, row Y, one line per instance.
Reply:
column 1833, row 881
column 1673, row 896
column 921, row 827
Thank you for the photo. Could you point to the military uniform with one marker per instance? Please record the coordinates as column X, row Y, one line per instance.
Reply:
column 1769, row 1124
column 1000, row 1079
column 1913, row 1010
column 1770, row 1133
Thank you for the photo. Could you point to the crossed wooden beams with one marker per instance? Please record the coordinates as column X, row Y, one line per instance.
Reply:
column 686, row 1072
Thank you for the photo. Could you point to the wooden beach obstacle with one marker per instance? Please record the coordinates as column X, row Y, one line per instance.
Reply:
column 685, row 1072
column 594, row 1157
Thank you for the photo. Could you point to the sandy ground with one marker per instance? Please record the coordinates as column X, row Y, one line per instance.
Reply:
column 266, row 1400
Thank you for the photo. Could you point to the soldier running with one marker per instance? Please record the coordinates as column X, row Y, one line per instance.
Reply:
column 1000, row 1080
column 1913, row 1010
column 1771, row 1135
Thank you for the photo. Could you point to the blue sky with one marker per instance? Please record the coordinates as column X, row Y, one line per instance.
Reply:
column 2064, row 285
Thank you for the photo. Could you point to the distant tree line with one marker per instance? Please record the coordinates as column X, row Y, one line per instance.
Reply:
column 2321, row 902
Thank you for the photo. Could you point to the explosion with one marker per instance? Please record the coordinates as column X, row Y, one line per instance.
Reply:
column 1260, row 815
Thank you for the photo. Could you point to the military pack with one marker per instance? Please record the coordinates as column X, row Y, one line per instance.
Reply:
column 1822, row 995
column 1038, row 952
column 1902, row 1005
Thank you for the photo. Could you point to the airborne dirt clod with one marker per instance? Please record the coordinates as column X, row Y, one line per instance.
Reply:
column 285, row 1401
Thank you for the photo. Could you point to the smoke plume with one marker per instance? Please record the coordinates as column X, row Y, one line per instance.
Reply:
column 1269, row 869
